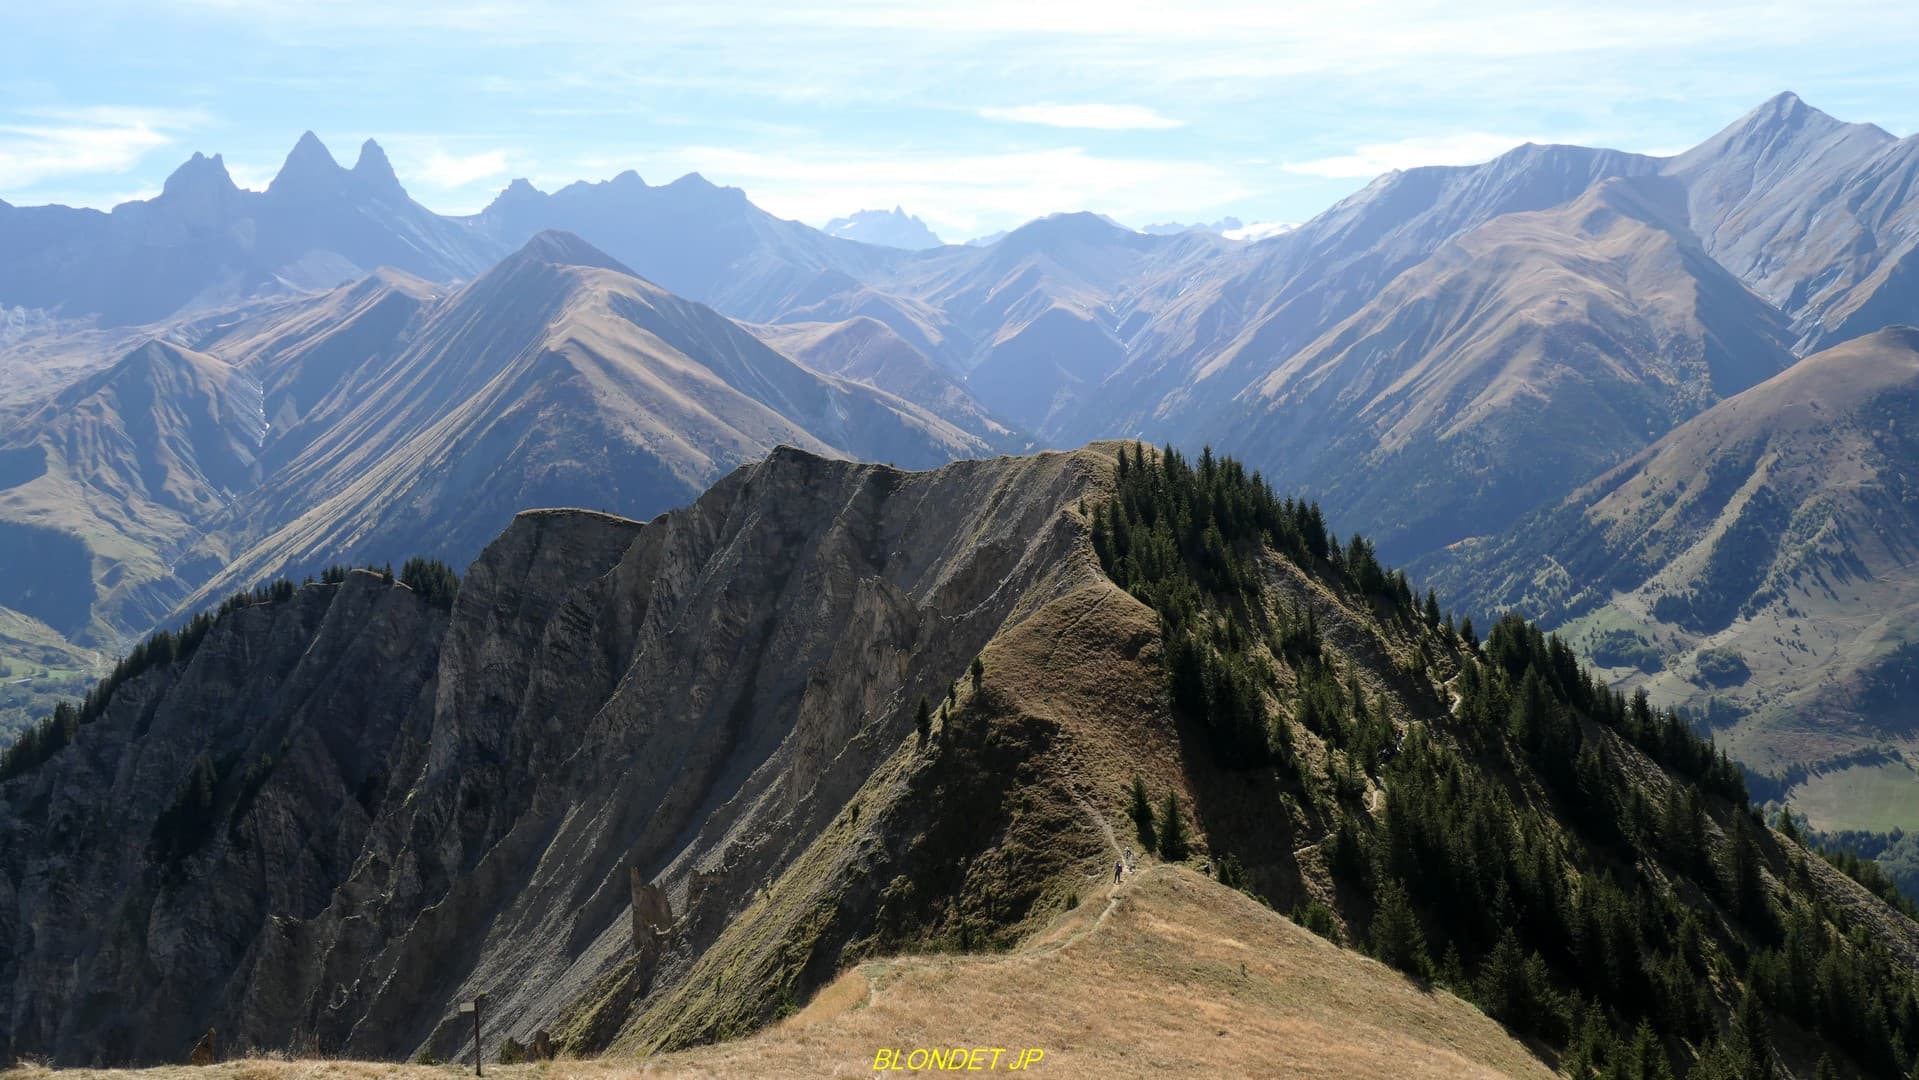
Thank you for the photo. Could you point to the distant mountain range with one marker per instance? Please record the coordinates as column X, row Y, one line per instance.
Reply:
column 203, row 242
column 205, row 386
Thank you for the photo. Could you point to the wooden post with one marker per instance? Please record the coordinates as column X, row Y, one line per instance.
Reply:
column 474, row 1008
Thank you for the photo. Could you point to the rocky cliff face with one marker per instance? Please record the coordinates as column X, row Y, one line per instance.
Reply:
column 209, row 810
column 409, row 807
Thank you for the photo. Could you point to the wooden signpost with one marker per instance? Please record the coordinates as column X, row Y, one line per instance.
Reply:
column 474, row 1008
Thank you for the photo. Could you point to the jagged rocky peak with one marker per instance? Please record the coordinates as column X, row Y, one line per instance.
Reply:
column 626, row 182
column 310, row 171
column 199, row 173
column 519, row 193
column 309, row 157
column 374, row 170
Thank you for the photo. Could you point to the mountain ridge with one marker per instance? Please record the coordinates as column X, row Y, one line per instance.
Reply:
column 731, row 802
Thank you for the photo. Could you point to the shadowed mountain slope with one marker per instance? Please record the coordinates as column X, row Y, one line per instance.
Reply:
column 116, row 471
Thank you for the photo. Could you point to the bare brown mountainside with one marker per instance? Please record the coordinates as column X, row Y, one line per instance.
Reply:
column 1529, row 353
column 1776, row 527
column 115, row 471
column 1232, row 322
column 1809, row 214
column 393, row 416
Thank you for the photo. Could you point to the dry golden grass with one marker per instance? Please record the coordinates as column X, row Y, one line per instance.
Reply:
column 1170, row 974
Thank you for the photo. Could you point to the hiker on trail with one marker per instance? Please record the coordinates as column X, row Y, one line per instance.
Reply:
column 1118, row 869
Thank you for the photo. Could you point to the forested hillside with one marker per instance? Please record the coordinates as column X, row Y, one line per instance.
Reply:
column 1491, row 816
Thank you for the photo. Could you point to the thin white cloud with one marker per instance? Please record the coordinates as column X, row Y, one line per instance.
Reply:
column 58, row 144
column 445, row 171
column 1099, row 117
column 1330, row 84
column 1372, row 159
column 251, row 176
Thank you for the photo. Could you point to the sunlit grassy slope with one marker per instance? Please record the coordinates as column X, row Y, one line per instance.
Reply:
column 1170, row 974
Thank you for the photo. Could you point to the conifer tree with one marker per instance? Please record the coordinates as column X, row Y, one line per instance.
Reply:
column 433, row 580
column 1529, row 711
column 1172, row 830
column 1139, row 807
column 1752, row 1038
column 1646, row 1060
column 1787, row 826
column 924, row 721
column 1397, row 939
column 979, row 673
column 1590, row 1033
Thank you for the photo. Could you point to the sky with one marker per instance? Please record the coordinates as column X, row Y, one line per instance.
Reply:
column 974, row 116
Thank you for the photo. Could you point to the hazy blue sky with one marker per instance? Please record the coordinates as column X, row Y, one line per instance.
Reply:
column 975, row 116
